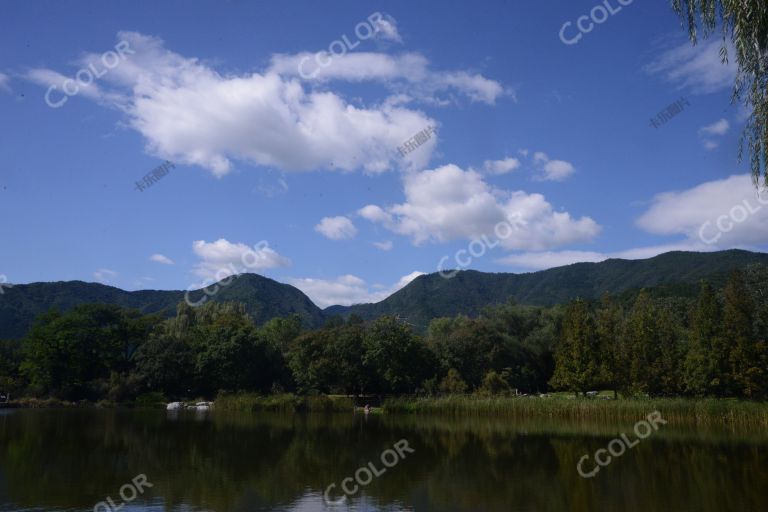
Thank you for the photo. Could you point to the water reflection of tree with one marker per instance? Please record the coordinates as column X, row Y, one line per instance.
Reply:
column 76, row 458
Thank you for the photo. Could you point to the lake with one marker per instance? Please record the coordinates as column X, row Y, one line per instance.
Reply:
column 85, row 459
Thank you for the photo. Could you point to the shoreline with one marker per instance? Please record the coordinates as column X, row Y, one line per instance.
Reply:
column 699, row 411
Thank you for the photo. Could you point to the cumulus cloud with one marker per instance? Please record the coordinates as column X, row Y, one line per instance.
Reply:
column 698, row 68
column 714, row 215
column 347, row 289
column 728, row 213
column 384, row 246
column 159, row 258
column 336, row 228
column 222, row 258
column 449, row 203
column 503, row 166
column 552, row 170
column 104, row 275
column 190, row 113
column 409, row 74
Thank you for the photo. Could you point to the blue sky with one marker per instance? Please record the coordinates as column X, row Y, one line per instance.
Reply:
column 299, row 172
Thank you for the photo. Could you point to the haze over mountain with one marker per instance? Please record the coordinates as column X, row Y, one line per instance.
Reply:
column 426, row 297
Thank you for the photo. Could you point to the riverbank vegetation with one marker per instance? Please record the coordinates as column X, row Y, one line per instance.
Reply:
column 680, row 411
column 655, row 346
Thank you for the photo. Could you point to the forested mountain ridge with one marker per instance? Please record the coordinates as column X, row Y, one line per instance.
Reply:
column 426, row 297
column 467, row 292
column 263, row 298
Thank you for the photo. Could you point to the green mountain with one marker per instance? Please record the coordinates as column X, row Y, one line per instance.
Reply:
column 426, row 297
column 431, row 296
column 264, row 299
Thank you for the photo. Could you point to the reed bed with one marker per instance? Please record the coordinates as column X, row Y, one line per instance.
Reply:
column 703, row 412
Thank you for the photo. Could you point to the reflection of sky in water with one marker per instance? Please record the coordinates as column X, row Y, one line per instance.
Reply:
column 313, row 502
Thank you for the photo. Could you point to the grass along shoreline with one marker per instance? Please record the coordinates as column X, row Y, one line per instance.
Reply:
column 711, row 411
column 681, row 411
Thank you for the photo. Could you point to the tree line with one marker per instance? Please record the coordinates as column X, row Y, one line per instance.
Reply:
column 714, row 345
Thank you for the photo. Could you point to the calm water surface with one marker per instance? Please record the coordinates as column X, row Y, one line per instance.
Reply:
column 70, row 460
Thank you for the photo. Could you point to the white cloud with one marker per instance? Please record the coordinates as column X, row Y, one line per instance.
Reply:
column 159, row 258
column 347, row 290
column 710, row 144
column 407, row 74
column 223, row 258
column 715, row 215
column 697, row 68
column 557, row 170
column 104, row 275
column 695, row 213
column 190, row 113
column 384, row 246
column 720, row 127
column 4, row 80
column 550, row 259
column 449, row 203
column 504, row 166
column 336, row 228
column 385, row 28
column 552, row 170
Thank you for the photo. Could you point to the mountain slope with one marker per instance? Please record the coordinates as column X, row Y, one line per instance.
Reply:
column 431, row 296
column 264, row 299
column 425, row 298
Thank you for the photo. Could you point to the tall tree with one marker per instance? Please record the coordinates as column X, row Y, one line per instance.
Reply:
column 745, row 24
column 746, row 355
column 610, row 344
column 398, row 358
column 704, row 369
column 642, row 343
column 73, row 354
column 577, row 362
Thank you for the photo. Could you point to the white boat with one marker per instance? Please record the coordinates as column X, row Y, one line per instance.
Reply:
column 174, row 406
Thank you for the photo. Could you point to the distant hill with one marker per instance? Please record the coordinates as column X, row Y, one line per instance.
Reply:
column 426, row 297
column 264, row 299
column 431, row 296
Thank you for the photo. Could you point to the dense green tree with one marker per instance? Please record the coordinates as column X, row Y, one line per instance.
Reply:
column 330, row 360
column 577, row 358
column 398, row 359
column 613, row 355
column 494, row 384
column 66, row 355
column 166, row 363
column 747, row 355
column 703, row 369
column 11, row 380
column 452, row 383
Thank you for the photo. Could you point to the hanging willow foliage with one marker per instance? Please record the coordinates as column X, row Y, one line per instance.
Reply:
column 745, row 23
